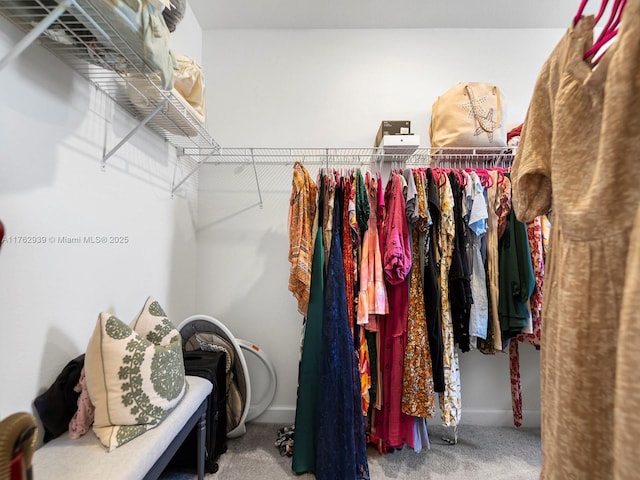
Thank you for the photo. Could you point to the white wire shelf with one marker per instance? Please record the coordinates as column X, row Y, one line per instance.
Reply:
column 81, row 33
column 109, row 63
column 336, row 157
column 348, row 157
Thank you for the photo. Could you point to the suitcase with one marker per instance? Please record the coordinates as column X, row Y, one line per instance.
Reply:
column 209, row 365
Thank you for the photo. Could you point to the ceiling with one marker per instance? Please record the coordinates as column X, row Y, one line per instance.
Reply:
column 217, row 14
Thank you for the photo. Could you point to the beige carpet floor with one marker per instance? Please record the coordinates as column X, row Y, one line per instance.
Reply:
column 496, row 453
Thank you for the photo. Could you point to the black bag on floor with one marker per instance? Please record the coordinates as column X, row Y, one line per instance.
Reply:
column 209, row 365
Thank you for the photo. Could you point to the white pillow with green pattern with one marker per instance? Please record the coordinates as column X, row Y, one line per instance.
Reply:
column 134, row 374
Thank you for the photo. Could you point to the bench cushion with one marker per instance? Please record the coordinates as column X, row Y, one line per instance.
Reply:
column 87, row 458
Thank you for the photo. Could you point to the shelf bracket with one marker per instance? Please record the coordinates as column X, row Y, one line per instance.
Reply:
column 174, row 187
column 35, row 32
column 146, row 120
column 255, row 173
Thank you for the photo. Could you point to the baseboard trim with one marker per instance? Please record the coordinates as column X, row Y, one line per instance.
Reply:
column 286, row 415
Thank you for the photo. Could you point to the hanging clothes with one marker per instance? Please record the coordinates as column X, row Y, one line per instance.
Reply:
column 584, row 170
column 341, row 443
column 627, row 395
column 328, row 204
column 459, row 276
column 380, row 207
column 476, row 230
column 307, row 414
column 392, row 426
column 516, row 278
column 493, row 341
column 355, row 222
column 372, row 297
column 348, row 252
column 534, row 232
column 302, row 210
column 417, row 384
column 450, row 399
column 412, row 273
column 432, row 287
column 504, row 204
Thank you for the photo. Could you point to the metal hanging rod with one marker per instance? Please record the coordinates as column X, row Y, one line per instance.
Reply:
column 351, row 156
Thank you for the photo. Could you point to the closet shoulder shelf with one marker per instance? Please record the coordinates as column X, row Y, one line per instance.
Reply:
column 105, row 44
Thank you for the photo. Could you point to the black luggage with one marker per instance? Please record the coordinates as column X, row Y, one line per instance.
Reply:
column 209, row 365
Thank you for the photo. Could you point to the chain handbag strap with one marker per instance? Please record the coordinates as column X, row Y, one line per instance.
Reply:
column 482, row 121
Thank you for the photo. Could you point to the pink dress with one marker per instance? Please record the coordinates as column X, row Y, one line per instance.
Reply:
column 393, row 427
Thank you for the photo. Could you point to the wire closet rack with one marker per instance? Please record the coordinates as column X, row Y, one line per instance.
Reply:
column 373, row 158
column 86, row 36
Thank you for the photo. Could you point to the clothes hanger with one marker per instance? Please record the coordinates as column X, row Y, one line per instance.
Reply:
column 591, row 53
column 485, row 177
column 443, row 178
column 609, row 32
column 614, row 16
column 462, row 177
column 578, row 16
column 603, row 7
column 437, row 174
column 461, row 180
column 583, row 4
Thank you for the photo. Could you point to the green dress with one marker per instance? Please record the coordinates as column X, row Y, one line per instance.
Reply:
column 306, row 424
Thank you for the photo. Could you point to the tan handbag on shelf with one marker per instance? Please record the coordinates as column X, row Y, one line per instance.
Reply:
column 469, row 115
column 188, row 80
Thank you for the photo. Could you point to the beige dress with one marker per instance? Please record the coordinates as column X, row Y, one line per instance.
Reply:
column 579, row 156
column 627, row 400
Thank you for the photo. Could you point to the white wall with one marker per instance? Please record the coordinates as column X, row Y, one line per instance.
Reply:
column 331, row 88
column 53, row 129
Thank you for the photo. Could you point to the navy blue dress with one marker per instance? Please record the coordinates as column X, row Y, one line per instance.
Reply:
column 341, row 453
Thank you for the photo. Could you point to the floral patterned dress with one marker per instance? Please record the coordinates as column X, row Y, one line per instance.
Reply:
column 534, row 231
column 450, row 399
column 417, row 383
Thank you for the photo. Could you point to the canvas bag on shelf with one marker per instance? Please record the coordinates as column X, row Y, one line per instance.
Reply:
column 469, row 115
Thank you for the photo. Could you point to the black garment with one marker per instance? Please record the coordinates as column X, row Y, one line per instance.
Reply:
column 174, row 15
column 459, row 274
column 373, row 361
column 431, row 289
column 57, row 406
column 363, row 209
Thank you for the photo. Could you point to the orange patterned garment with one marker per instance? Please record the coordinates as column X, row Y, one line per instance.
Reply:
column 302, row 211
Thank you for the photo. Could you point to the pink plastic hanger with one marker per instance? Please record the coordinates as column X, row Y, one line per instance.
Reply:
column 486, row 177
column 440, row 174
column 601, row 42
column 608, row 33
column 578, row 16
column 603, row 7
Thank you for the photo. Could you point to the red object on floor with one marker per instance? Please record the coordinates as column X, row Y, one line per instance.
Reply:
column 17, row 467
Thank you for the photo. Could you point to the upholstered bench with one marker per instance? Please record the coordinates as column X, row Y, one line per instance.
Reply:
column 144, row 457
